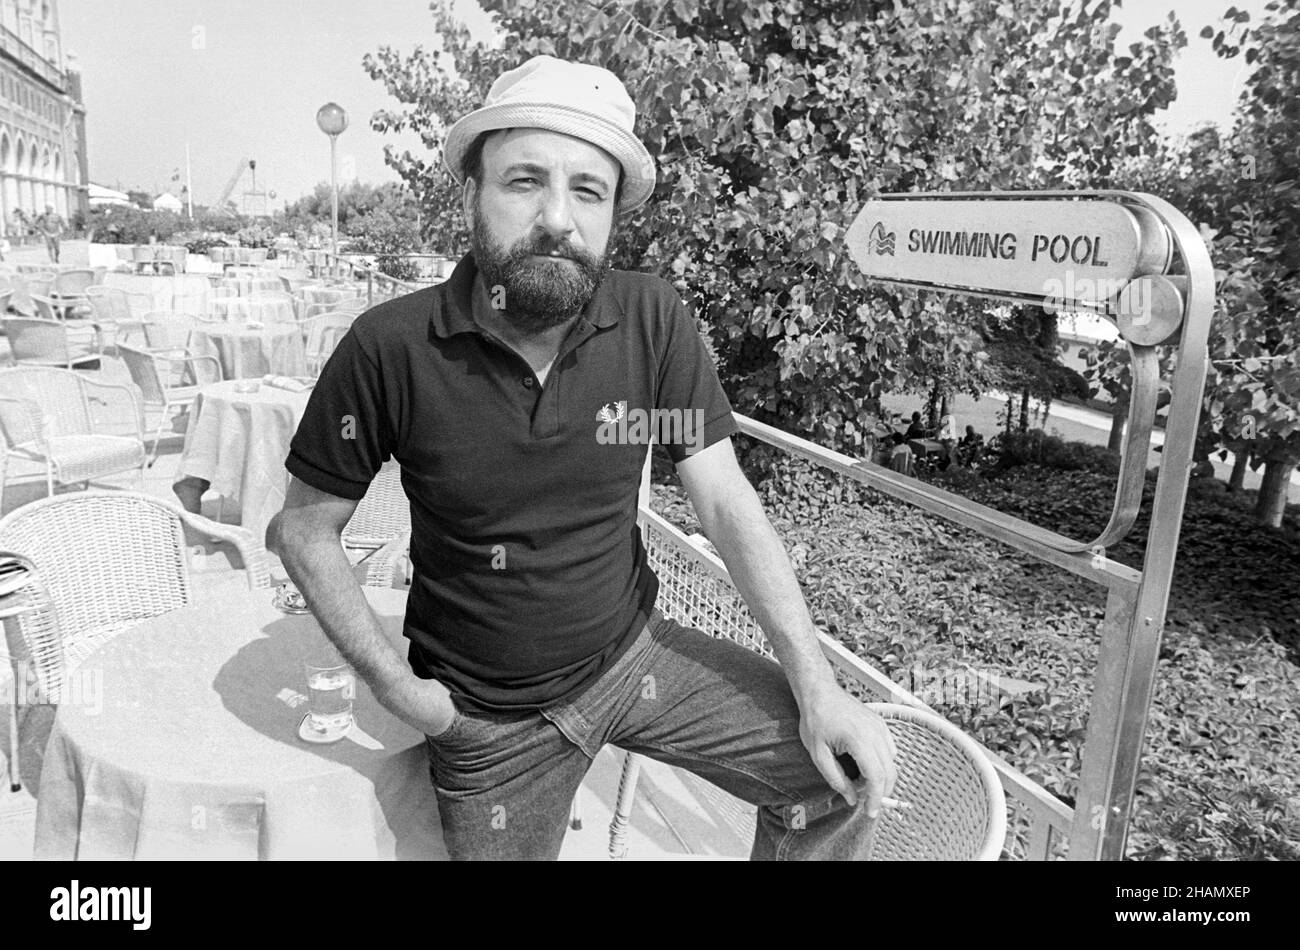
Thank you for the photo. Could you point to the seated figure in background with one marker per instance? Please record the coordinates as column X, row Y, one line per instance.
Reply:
column 970, row 448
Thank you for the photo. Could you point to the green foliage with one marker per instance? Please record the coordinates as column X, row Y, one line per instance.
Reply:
column 254, row 235
column 357, row 200
column 203, row 243
column 910, row 593
column 1036, row 447
column 390, row 240
column 1243, row 192
column 121, row 224
column 770, row 123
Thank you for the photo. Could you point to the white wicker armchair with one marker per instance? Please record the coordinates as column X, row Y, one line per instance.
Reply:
column 107, row 560
column 45, row 416
column 118, row 311
column 39, row 342
column 958, row 806
column 35, row 651
column 321, row 335
column 154, row 374
column 382, row 518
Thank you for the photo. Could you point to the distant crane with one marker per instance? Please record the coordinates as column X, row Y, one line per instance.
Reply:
column 234, row 180
column 254, row 201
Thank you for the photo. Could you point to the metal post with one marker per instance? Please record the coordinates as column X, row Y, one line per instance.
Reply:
column 1113, row 747
column 334, row 191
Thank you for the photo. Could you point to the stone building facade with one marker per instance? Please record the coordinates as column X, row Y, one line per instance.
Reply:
column 42, row 119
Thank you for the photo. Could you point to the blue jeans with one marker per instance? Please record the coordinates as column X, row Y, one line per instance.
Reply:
column 505, row 781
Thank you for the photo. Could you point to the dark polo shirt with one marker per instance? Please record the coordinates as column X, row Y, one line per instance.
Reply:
column 530, row 577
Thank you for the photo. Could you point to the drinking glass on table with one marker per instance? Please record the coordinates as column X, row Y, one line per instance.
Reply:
column 330, row 689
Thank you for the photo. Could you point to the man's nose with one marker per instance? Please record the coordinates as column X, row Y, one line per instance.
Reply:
column 556, row 213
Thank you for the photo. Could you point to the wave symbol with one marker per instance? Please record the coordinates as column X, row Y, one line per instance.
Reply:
column 880, row 241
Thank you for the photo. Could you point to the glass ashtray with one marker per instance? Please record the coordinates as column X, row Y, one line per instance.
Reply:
column 289, row 599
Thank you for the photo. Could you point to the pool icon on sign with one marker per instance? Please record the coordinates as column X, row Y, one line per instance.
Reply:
column 880, row 241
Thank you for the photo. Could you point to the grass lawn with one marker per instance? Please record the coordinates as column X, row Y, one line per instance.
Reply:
column 920, row 598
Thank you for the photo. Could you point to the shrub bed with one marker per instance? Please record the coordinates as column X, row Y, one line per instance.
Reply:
column 909, row 592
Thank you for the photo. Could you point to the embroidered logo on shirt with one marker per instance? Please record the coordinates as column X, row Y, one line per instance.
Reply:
column 612, row 412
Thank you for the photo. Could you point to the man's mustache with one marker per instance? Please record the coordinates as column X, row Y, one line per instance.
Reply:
column 561, row 250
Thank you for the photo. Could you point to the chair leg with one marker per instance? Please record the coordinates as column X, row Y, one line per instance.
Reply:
column 157, row 437
column 15, row 776
column 623, row 806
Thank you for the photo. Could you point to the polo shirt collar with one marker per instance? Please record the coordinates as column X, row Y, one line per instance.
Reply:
column 466, row 301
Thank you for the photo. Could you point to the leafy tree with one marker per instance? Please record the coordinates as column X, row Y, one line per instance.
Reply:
column 390, row 239
column 771, row 122
column 1255, row 221
column 356, row 200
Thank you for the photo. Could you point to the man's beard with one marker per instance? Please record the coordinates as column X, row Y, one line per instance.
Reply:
column 538, row 295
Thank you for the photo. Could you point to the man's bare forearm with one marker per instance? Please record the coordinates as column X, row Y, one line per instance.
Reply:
column 318, row 566
column 761, row 571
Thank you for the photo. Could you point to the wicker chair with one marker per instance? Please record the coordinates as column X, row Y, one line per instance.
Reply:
column 322, row 334
column 35, row 648
column 154, row 373
column 108, row 560
column 118, row 311
column 40, row 342
column 958, row 807
column 81, row 332
column 382, row 516
column 168, row 330
column 45, row 417
column 69, row 290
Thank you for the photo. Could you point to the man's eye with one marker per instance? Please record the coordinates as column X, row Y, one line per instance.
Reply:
column 590, row 195
column 522, row 181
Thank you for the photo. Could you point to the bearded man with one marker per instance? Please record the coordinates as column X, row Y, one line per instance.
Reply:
column 531, row 619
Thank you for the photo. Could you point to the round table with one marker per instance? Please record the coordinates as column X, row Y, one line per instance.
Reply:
column 257, row 309
column 251, row 286
column 252, row 351
column 195, row 753
column 237, row 443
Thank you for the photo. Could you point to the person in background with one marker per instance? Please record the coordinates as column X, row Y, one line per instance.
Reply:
column 915, row 430
column 971, row 447
column 948, row 439
column 50, row 225
column 17, row 226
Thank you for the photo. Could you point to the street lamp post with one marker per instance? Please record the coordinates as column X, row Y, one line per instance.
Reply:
column 333, row 120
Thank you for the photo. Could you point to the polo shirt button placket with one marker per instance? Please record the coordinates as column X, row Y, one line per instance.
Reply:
column 528, row 382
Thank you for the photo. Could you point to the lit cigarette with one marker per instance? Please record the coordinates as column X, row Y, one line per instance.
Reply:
column 894, row 803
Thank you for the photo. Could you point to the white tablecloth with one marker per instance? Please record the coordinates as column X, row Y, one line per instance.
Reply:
column 238, row 442
column 252, row 286
column 243, row 309
column 182, row 293
column 195, row 753
column 247, row 352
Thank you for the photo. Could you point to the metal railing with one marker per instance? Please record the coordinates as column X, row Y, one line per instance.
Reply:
column 326, row 264
column 1048, row 817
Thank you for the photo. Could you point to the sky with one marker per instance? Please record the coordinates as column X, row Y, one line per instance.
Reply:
column 243, row 79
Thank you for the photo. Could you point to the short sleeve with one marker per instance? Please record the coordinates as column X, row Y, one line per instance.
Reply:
column 346, row 433
column 694, row 412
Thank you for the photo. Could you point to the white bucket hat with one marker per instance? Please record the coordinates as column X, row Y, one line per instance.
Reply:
column 576, row 99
